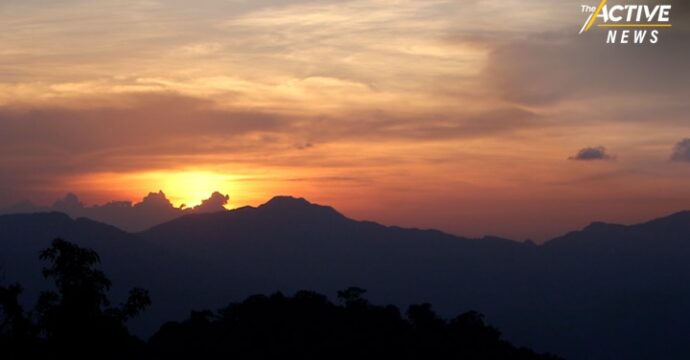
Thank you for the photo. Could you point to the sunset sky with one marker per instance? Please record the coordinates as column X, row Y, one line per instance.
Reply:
column 474, row 117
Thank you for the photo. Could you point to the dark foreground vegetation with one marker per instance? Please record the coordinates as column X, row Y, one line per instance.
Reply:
column 77, row 321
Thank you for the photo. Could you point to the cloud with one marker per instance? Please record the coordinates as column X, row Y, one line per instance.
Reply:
column 155, row 202
column 93, row 95
column 554, row 66
column 215, row 203
column 154, row 209
column 304, row 146
column 591, row 154
column 143, row 131
column 135, row 132
column 69, row 204
column 550, row 68
column 681, row 152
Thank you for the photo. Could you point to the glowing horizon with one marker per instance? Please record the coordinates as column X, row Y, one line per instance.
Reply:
column 474, row 117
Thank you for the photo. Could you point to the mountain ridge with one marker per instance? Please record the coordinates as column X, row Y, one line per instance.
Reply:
column 293, row 204
column 154, row 208
column 596, row 293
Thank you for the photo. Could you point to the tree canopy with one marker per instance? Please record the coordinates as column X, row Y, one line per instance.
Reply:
column 77, row 321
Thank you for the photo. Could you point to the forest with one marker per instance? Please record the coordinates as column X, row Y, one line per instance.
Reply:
column 76, row 319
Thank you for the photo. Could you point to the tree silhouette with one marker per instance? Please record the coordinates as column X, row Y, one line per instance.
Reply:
column 308, row 326
column 352, row 296
column 17, row 333
column 77, row 321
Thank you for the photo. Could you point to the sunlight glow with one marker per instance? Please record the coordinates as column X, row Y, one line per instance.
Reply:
column 181, row 187
column 190, row 188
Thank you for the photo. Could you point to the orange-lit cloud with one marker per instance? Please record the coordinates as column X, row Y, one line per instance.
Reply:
column 452, row 114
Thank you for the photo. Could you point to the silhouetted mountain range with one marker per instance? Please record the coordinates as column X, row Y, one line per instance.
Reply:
column 154, row 209
column 607, row 291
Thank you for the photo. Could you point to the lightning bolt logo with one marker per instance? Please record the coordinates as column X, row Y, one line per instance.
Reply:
column 592, row 17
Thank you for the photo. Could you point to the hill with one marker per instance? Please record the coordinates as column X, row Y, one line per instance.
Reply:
column 606, row 291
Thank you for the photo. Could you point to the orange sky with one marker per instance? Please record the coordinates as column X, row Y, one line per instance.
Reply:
column 461, row 115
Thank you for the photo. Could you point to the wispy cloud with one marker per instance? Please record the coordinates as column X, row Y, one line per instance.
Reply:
column 478, row 100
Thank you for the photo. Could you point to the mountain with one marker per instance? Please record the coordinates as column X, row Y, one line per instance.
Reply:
column 623, row 289
column 606, row 291
column 290, row 244
column 154, row 209
column 127, row 260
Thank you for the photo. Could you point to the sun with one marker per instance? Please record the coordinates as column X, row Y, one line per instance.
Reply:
column 190, row 188
column 182, row 186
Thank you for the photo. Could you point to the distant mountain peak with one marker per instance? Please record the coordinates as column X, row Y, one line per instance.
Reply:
column 290, row 205
column 679, row 217
column 600, row 225
column 286, row 200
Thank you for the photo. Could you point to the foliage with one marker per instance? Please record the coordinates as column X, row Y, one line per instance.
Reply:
column 77, row 321
column 308, row 326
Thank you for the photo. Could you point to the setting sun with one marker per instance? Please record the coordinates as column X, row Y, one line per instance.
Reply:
column 526, row 161
column 182, row 187
column 190, row 188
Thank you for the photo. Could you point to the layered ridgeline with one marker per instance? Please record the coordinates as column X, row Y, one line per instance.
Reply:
column 607, row 291
column 153, row 209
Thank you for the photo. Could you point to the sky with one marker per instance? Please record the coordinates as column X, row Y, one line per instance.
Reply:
column 474, row 117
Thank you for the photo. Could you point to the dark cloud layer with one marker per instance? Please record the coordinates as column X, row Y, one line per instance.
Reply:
column 41, row 144
column 146, row 121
